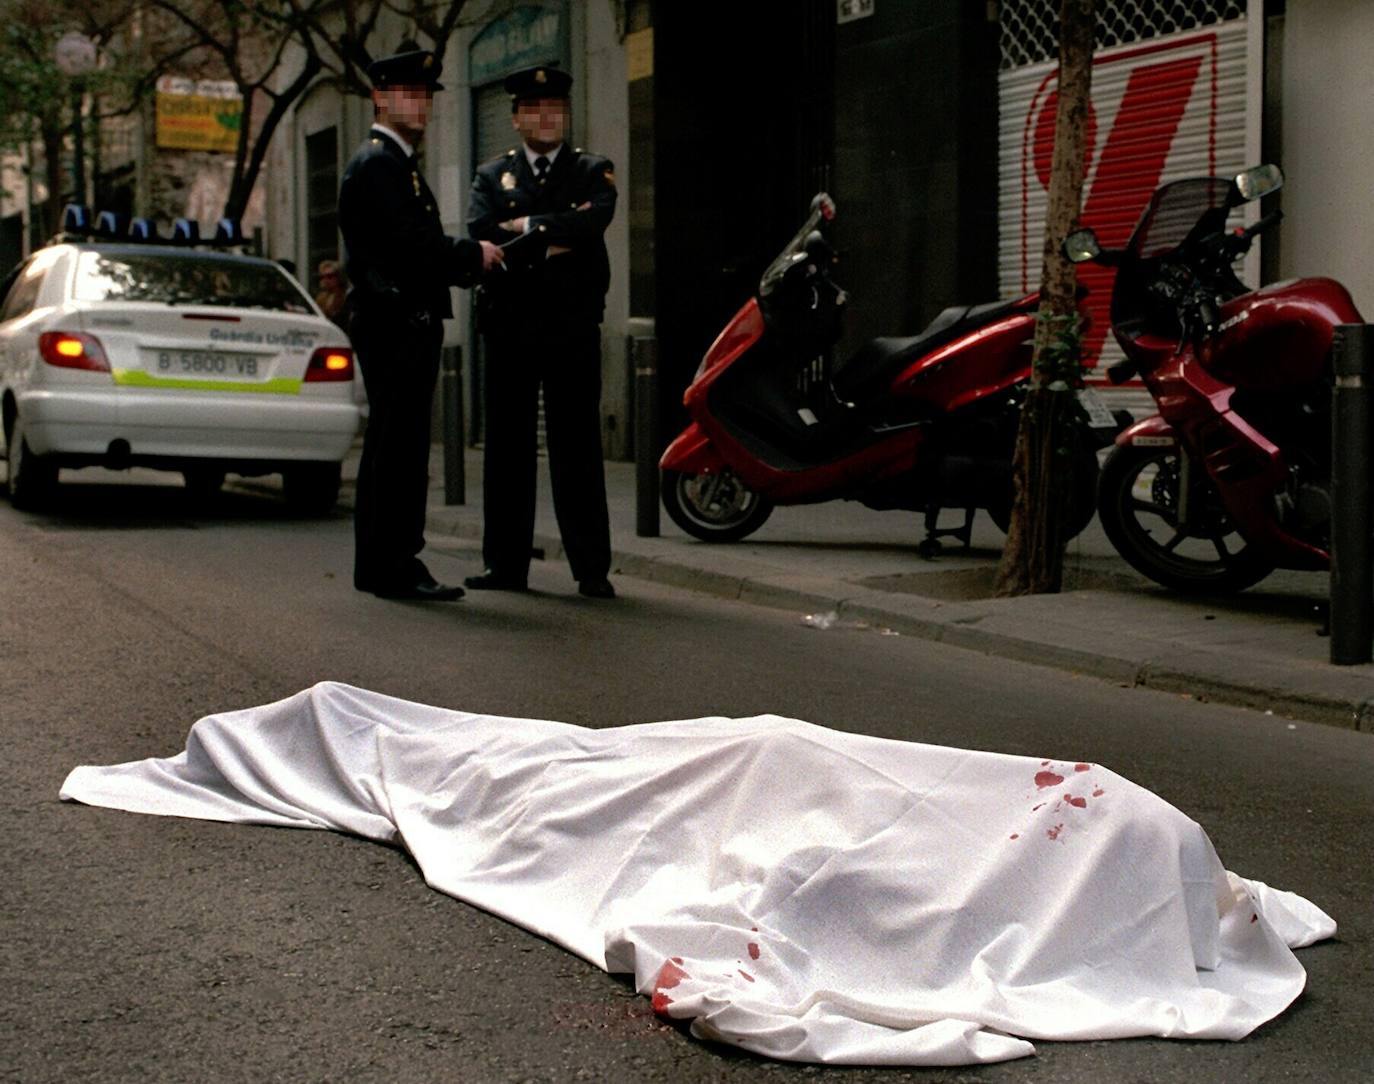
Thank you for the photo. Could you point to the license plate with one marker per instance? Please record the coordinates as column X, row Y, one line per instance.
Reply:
column 205, row 364
column 1099, row 417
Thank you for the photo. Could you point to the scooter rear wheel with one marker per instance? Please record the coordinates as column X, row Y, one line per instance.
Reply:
column 714, row 507
column 1138, row 504
column 1082, row 498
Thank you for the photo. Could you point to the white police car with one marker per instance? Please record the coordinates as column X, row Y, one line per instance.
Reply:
column 123, row 350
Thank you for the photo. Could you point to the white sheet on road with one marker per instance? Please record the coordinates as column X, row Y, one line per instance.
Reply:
column 796, row 891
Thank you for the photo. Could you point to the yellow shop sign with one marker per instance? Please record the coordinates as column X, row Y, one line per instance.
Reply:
column 198, row 115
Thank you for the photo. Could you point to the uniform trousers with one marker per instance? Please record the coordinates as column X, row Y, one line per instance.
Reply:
column 399, row 359
column 569, row 368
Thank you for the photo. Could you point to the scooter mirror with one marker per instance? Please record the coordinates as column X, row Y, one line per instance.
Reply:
column 1081, row 246
column 823, row 205
column 1257, row 182
column 818, row 248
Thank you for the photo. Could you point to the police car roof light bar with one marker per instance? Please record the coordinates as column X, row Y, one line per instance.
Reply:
column 110, row 224
column 76, row 218
column 228, row 232
column 113, row 226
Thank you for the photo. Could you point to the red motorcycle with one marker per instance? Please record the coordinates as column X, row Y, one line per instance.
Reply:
column 920, row 423
column 1232, row 478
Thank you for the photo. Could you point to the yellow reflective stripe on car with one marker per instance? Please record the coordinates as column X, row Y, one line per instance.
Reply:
column 137, row 378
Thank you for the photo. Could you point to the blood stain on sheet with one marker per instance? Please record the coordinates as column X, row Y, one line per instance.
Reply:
column 1035, row 807
column 1082, row 767
column 1099, row 792
column 1047, row 779
column 1016, row 835
column 1254, row 918
column 747, row 975
column 1077, row 803
column 753, row 951
column 1053, row 833
column 669, row 975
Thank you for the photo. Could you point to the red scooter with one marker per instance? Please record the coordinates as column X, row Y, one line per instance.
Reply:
column 920, row 423
column 1232, row 478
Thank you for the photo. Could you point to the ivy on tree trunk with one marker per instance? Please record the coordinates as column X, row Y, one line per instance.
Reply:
column 1042, row 465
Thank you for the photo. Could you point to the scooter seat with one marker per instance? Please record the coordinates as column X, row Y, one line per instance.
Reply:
column 868, row 370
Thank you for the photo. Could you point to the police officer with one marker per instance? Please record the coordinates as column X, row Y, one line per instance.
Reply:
column 549, row 205
column 401, row 265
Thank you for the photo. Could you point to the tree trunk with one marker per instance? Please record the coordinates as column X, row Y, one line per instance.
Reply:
column 1042, row 466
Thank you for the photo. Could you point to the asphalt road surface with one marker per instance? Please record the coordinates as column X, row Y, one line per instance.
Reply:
column 142, row 948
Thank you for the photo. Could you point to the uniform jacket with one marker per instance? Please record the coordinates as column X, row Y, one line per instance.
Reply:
column 396, row 252
column 545, row 289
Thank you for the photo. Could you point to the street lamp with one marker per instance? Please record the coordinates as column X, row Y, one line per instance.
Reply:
column 74, row 55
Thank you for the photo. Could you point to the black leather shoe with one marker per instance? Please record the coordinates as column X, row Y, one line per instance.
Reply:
column 494, row 581
column 422, row 591
column 600, row 588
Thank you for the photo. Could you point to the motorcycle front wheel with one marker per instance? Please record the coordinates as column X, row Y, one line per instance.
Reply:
column 714, row 507
column 1138, row 502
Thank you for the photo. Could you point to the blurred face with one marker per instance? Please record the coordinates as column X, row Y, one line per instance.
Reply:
column 542, row 122
column 404, row 109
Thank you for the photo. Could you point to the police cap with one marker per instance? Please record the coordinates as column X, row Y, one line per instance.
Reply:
column 544, row 81
column 408, row 66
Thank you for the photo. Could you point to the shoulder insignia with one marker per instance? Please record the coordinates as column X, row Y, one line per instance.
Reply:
column 508, row 180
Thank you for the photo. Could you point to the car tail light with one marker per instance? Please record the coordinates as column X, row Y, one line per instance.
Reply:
column 330, row 363
column 73, row 350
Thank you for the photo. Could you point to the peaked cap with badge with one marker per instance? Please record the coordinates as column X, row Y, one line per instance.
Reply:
column 543, row 81
column 408, row 66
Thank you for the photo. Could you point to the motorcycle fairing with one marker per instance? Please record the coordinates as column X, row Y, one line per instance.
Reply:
column 1246, row 466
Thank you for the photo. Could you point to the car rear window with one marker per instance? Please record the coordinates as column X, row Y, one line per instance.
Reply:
column 190, row 279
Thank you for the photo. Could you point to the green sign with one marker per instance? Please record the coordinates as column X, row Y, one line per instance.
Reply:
column 521, row 38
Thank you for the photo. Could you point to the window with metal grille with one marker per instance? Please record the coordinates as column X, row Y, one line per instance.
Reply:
column 1030, row 28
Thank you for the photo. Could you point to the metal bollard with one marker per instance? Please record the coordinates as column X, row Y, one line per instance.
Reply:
column 451, row 396
column 645, row 354
column 1352, row 570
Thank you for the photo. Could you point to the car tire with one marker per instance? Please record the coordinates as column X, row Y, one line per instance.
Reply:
column 32, row 477
column 312, row 488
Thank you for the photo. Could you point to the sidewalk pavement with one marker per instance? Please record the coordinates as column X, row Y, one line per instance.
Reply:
column 840, row 566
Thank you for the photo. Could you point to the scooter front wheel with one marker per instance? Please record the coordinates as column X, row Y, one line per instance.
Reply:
column 1138, row 503
column 714, row 507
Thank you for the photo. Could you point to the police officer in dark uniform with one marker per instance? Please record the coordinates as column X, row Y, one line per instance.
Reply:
column 549, row 205
column 401, row 265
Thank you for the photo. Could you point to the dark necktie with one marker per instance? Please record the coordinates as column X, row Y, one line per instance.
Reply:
column 541, row 169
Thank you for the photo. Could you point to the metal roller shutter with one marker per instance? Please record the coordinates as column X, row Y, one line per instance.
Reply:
column 1164, row 106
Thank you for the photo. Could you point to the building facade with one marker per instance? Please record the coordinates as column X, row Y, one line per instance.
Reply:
column 926, row 122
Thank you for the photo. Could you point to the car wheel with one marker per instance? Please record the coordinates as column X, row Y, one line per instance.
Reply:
column 312, row 488
column 32, row 477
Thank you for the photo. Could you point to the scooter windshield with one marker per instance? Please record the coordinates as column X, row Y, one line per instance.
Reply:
column 1180, row 212
column 795, row 251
